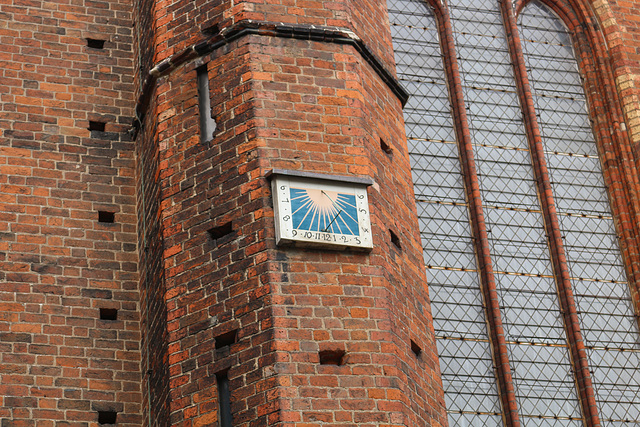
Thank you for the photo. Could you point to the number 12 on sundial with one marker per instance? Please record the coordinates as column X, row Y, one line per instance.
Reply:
column 321, row 212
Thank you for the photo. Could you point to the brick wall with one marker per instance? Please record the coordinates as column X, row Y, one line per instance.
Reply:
column 620, row 27
column 180, row 24
column 369, row 305
column 312, row 106
column 153, row 311
column 300, row 105
column 212, row 284
column 59, row 362
column 278, row 103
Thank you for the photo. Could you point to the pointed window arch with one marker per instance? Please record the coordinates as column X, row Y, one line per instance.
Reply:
column 531, row 304
column 598, row 280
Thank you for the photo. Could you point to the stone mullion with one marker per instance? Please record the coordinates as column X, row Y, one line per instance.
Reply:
column 491, row 304
column 558, row 257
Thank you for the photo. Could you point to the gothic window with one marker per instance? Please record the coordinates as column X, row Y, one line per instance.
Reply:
column 517, row 230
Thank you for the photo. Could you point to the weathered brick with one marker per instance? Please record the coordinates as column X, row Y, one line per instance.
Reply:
column 47, row 157
column 278, row 103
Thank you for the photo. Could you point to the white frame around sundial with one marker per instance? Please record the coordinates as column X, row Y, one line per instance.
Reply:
column 320, row 210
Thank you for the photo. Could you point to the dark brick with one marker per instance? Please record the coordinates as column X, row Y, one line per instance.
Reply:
column 15, row 337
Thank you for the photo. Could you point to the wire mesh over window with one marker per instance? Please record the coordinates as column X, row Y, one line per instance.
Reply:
column 536, row 342
column 599, row 284
column 537, row 346
column 465, row 356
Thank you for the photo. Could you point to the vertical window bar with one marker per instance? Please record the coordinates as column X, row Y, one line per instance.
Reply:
column 224, row 399
column 207, row 123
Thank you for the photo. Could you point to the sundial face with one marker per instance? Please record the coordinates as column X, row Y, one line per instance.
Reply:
column 317, row 212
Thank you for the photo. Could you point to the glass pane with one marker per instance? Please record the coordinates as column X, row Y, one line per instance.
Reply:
column 608, row 324
column 533, row 327
column 537, row 346
column 465, row 357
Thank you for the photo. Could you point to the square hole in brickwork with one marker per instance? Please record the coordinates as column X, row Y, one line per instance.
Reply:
column 106, row 217
column 415, row 348
column 95, row 43
column 221, row 231
column 95, row 125
column 212, row 29
column 107, row 417
column 108, row 314
column 226, row 339
column 385, row 147
column 395, row 239
column 332, row 357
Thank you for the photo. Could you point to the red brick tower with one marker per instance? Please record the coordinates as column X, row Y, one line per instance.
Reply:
column 299, row 335
column 141, row 281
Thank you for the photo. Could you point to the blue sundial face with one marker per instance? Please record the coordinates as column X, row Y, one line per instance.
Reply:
column 324, row 211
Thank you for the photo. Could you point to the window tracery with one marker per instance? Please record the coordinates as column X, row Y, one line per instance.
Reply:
column 501, row 162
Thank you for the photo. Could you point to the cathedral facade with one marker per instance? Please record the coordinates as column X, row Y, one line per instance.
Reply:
column 319, row 213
